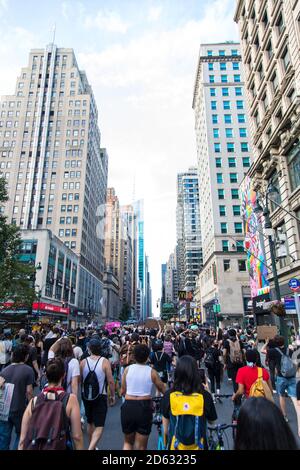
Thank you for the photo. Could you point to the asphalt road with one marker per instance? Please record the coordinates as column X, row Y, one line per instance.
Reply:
column 112, row 438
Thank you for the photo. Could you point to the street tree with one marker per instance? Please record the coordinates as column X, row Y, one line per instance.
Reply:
column 124, row 315
column 16, row 278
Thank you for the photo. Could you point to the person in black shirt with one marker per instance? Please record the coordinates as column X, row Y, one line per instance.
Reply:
column 160, row 360
column 214, row 366
column 232, row 365
column 188, row 381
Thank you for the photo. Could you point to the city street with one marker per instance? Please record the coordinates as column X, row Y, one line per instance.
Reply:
column 113, row 438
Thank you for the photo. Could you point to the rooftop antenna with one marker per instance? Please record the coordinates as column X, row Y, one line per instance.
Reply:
column 53, row 32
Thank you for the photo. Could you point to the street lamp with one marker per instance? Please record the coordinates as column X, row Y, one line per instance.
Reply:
column 264, row 210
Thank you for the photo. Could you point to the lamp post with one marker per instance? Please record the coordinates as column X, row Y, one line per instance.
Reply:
column 265, row 211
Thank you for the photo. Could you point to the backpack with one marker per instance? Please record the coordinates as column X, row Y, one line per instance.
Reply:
column 260, row 388
column 126, row 355
column 65, row 383
column 287, row 367
column 182, row 347
column 187, row 423
column 210, row 360
column 236, row 356
column 49, row 425
column 90, row 386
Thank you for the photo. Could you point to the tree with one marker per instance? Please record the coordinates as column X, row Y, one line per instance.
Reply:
column 124, row 315
column 16, row 278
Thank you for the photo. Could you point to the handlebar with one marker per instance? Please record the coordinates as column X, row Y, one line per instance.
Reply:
column 221, row 427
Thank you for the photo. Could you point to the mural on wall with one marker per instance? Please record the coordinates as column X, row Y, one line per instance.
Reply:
column 254, row 244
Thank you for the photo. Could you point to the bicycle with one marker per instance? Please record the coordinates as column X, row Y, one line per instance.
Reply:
column 157, row 421
column 235, row 413
column 218, row 430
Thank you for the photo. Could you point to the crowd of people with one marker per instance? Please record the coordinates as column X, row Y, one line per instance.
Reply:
column 64, row 381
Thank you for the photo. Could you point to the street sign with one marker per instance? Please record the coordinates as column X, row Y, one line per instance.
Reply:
column 181, row 294
column 294, row 285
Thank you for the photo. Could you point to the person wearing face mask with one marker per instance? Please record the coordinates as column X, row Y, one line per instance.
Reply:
column 249, row 374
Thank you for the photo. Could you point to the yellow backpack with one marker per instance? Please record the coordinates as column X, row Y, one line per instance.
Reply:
column 260, row 388
column 187, row 422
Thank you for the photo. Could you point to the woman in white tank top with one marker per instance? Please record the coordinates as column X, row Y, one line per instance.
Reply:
column 136, row 411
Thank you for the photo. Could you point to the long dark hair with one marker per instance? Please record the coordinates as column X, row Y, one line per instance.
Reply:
column 261, row 426
column 187, row 377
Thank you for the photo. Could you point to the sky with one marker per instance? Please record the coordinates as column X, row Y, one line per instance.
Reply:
column 140, row 57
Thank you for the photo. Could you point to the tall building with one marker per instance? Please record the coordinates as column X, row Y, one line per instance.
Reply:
column 270, row 40
column 53, row 162
column 171, row 280
column 148, row 291
column 163, row 285
column 224, row 156
column 189, row 246
column 141, row 260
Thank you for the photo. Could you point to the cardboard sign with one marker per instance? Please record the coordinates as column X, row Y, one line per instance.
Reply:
column 152, row 323
column 265, row 331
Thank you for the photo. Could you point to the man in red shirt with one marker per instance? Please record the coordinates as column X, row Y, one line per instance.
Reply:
column 247, row 375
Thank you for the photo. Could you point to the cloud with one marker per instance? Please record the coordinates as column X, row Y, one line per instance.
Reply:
column 3, row 6
column 154, row 13
column 106, row 21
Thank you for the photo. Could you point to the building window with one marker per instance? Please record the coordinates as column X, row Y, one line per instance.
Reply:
column 216, row 133
column 223, row 66
column 269, row 50
column 222, row 53
column 246, row 162
column 274, row 81
column 237, row 78
column 218, row 163
column 210, row 66
column 211, row 79
column 219, row 178
column 235, row 194
column 225, row 245
column 234, row 52
column 286, row 58
column 293, row 159
column 243, row 132
column 209, row 53
column 212, row 92
column 238, row 91
column 280, row 24
column 244, row 147
column 240, row 104
column 241, row 118
column 225, row 91
column 242, row 265
column 230, row 147
column 238, row 227
column 213, row 105
column 217, row 147
column 227, row 118
column 223, row 227
column 233, row 178
column 240, row 246
column 236, row 210
column 235, row 66
column 226, row 263
column 224, row 79
column 232, row 162
column 215, row 119
column 229, row 133
column 222, row 211
column 226, row 105
column 221, row 194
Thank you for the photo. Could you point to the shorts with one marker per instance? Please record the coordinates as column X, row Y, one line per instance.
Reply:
column 283, row 385
column 137, row 416
column 96, row 411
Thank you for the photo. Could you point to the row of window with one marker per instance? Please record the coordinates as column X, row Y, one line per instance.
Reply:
column 229, row 133
column 222, row 52
column 233, row 178
column 68, row 220
column 225, row 79
column 226, row 91
column 230, row 146
column 228, row 118
column 70, row 197
column 238, row 246
column 69, row 208
column 241, row 265
column 236, row 210
column 67, row 232
column 73, row 163
column 232, row 162
column 227, row 105
column 223, row 66
column 238, row 227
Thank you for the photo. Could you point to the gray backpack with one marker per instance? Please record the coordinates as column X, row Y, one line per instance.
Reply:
column 287, row 367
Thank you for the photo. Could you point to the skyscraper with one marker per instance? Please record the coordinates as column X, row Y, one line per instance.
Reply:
column 55, row 168
column 224, row 156
column 189, row 246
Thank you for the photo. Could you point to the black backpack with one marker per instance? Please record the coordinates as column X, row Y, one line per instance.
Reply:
column 90, row 386
column 210, row 360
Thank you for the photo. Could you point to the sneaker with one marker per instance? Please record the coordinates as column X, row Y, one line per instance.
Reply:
column 229, row 380
column 274, row 391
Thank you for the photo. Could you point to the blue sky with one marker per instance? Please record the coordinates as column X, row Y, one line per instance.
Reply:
column 140, row 57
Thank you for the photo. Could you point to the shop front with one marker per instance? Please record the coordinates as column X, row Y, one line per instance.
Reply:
column 52, row 313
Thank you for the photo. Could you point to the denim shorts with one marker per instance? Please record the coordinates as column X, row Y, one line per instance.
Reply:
column 286, row 385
